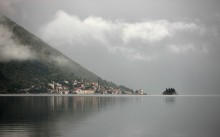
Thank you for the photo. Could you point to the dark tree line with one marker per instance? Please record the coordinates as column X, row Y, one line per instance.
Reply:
column 170, row 91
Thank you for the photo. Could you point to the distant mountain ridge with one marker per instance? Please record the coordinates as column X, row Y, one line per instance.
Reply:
column 34, row 62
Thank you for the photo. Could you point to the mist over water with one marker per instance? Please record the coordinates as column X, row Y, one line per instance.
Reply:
column 110, row 116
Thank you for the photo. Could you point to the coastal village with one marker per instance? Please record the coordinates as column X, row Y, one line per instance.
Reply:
column 83, row 87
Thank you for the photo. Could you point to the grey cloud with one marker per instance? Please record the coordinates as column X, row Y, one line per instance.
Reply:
column 7, row 6
column 60, row 60
column 133, row 40
column 10, row 49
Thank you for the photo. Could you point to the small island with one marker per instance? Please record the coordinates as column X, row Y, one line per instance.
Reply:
column 170, row 91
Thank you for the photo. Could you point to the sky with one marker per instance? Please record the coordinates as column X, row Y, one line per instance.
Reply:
column 148, row 44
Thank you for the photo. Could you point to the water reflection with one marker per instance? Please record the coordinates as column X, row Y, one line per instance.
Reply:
column 29, row 107
column 37, row 116
column 170, row 100
column 100, row 116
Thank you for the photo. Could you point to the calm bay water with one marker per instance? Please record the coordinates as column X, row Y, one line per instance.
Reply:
column 110, row 116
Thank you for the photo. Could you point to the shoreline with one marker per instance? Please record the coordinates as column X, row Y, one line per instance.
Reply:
column 97, row 95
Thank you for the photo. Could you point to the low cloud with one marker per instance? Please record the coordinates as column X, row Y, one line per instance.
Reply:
column 155, row 30
column 8, row 6
column 180, row 49
column 11, row 50
column 133, row 40
column 60, row 60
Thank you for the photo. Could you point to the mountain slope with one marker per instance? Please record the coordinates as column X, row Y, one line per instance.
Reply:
column 26, row 60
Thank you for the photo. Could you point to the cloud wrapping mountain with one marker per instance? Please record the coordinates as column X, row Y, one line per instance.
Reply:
column 12, row 50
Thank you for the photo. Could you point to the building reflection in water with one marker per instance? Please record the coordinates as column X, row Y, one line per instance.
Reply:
column 37, row 112
column 29, row 107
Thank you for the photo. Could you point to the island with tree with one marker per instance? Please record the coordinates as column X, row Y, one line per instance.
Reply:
column 170, row 91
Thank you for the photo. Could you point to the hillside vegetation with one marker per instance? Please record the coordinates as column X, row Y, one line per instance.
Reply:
column 46, row 64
